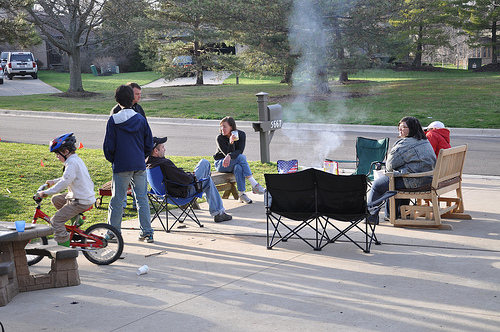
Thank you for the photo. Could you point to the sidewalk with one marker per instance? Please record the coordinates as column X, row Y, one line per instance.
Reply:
column 222, row 278
column 209, row 78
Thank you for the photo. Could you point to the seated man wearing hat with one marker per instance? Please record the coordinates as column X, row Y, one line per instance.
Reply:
column 175, row 174
column 438, row 136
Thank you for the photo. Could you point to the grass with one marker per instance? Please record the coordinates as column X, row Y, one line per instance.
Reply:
column 22, row 173
column 459, row 98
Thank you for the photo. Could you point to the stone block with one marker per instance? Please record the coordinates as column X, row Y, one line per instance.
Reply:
column 42, row 279
column 73, row 278
column 64, row 264
column 4, row 299
column 59, row 278
column 4, row 280
column 25, row 281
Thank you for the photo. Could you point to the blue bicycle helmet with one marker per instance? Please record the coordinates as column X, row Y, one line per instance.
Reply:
column 65, row 141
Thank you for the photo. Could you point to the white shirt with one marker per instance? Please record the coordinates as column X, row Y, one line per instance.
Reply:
column 76, row 178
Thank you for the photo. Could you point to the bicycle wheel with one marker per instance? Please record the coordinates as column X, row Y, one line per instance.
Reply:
column 36, row 243
column 111, row 248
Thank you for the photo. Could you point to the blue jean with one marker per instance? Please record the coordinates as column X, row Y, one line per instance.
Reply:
column 379, row 187
column 202, row 170
column 239, row 166
column 139, row 183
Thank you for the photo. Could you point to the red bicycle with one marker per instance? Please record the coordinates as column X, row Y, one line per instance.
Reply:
column 101, row 243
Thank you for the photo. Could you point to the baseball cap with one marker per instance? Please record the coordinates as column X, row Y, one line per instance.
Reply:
column 435, row 125
column 159, row 140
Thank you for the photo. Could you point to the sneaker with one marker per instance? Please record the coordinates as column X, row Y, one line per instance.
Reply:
column 223, row 216
column 146, row 238
column 245, row 199
column 110, row 238
column 64, row 244
column 258, row 189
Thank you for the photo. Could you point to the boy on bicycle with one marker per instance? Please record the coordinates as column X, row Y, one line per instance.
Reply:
column 76, row 178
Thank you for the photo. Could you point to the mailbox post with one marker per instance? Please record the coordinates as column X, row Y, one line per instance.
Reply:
column 270, row 119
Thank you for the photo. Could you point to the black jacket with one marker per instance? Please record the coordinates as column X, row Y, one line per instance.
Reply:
column 172, row 173
column 235, row 149
column 135, row 107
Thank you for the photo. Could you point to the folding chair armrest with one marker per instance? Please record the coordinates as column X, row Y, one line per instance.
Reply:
column 374, row 164
column 410, row 175
column 189, row 184
column 342, row 161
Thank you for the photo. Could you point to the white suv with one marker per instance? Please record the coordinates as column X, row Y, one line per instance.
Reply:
column 21, row 63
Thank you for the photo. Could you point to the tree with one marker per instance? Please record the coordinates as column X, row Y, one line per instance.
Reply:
column 184, row 28
column 339, row 37
column 479, row 18
column 68, row 25
column 422, row 23
column 13, row 26
column 262, row 26
column 119, row 36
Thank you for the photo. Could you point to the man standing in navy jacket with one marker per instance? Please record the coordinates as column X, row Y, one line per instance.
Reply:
column 127, row 143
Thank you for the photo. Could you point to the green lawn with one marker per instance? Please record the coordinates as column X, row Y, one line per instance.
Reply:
column 25, row 167
column 459, row 98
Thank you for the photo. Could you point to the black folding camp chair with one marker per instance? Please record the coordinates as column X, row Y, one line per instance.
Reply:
column 319, row 208
column 159, row 199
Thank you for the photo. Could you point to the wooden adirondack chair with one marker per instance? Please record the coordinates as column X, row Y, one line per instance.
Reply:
column 431, row 205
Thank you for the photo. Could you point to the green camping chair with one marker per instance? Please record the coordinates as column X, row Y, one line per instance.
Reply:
column 369, row 152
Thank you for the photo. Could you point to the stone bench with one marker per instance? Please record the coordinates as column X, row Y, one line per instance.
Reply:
column 63, row 270
column 8, row 286
column 225, row 182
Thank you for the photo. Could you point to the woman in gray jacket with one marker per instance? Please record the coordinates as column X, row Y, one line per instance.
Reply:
column 412, row 153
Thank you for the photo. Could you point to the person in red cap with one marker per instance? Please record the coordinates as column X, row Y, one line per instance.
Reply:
column 438, row 136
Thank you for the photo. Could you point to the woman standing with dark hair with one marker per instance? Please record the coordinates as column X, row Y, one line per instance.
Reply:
column 412, row 153
column 229, row 157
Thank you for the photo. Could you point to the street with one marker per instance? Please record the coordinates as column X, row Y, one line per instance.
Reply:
column 309, row 143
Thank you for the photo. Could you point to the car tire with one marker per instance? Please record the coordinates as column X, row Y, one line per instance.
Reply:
column 35, row 76
column 1, row 81
column 10, row 76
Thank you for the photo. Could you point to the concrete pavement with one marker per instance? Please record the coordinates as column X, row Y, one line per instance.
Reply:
column 222, row 278
column 25, row 85
column 209, row 78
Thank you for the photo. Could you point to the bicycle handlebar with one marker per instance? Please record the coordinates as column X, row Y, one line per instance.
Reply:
column 42, row 187
column 36, row 197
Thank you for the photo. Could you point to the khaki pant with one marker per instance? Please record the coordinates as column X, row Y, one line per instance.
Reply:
column 66, row 209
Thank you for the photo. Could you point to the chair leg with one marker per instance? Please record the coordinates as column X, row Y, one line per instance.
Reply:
column 186, row 211
column 158, row 206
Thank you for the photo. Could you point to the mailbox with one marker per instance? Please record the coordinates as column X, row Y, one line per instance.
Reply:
column 270, row 120
column 274, row 120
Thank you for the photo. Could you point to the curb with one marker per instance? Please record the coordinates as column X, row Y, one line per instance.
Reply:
column 471, row 132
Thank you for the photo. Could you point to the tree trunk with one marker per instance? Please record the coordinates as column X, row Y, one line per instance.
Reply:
column 287, row 75
column 75, row 71
column 322, row 83
column 199, row 77
column 494, row 58
column 343, row 77
column 418, row 55
column 199, row 65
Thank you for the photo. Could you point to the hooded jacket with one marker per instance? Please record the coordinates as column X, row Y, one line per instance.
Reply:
column 439, row 139
column 128, row 141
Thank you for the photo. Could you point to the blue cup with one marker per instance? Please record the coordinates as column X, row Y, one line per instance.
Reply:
column 20, row 225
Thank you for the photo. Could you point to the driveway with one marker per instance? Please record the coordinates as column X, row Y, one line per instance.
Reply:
column 25, row 85
column 209, row 78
